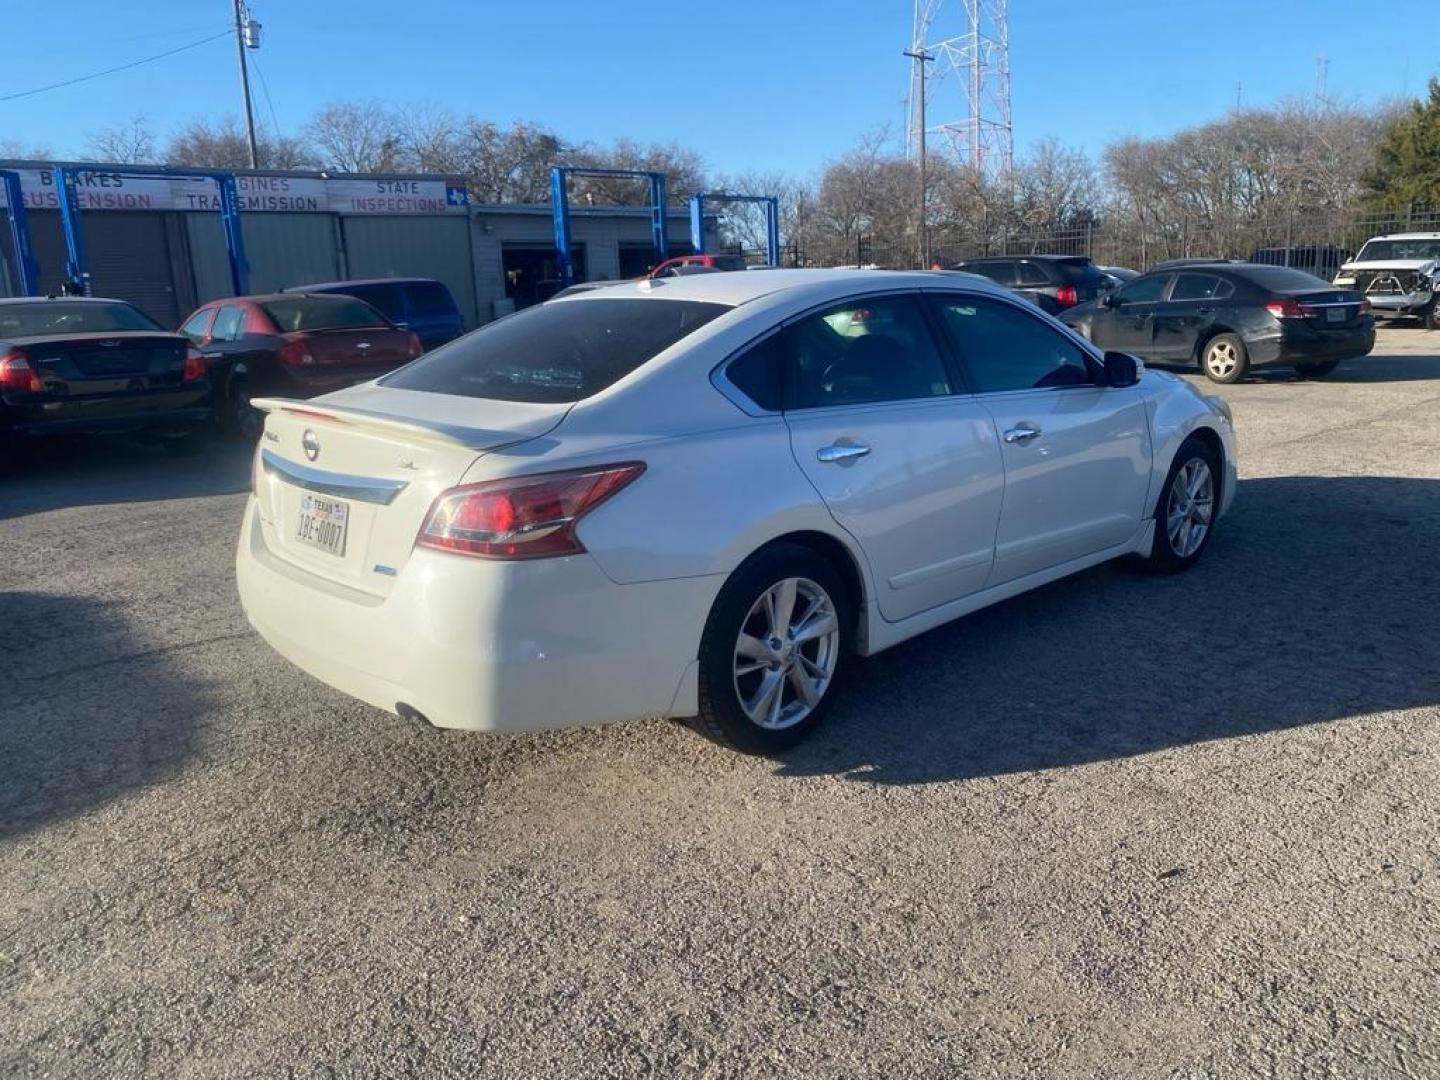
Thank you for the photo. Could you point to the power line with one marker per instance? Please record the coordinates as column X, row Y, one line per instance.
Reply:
column 113, row 70
column 265, row 86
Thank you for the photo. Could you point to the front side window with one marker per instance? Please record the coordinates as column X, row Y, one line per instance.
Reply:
column 863, row 351
column 1006, row 349
column 194, row 327
column 558, row 352
column 1145, row 290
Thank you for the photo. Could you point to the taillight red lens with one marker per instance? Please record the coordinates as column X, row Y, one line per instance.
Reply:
column 522, row 517
column 194, row 366
column 413, row 346
column 17, row 376
column 1067, row 295
column 1288, row 308
column 296, row 351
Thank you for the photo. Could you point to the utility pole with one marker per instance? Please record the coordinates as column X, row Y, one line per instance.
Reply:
column 247, row 34
column 921, row 58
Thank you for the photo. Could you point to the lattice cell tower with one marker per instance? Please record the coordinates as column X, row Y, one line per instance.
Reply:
column 969, row 77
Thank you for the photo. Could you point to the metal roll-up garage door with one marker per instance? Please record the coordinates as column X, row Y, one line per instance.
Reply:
column 429, row 246
column 282, row 250
column 134, row 256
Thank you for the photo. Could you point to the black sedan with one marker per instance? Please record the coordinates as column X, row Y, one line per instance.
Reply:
column 1229, row 318
column 77, row 365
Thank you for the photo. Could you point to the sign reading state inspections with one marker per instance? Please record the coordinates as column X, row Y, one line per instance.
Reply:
column 262, row 193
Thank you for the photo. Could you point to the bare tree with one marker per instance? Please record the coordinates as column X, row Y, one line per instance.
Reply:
column 357, row 136
column 506, row 164
column 131, row 143
column 684, row 171
column 221, row 144
column 429, row 139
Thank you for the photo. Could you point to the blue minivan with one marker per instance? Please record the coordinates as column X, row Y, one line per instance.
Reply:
column 421, row 305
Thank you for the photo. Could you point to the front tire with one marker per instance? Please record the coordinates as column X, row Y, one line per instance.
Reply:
column 774, row 645
column 1430, row 318
column 242, row 420
column 1185, row 512
column 1224, row 359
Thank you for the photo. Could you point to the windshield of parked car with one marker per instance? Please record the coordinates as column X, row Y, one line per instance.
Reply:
column 557, row 352
column 71, row 317
column 321, row 313
column 1381, row 250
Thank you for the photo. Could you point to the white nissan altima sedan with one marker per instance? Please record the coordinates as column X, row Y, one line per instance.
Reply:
column 701, row 496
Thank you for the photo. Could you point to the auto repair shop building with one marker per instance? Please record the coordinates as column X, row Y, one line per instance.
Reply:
column 157, row 240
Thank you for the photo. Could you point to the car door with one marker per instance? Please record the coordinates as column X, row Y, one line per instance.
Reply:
column 1127, row 321
column 1076, row 454
column 1183, row 317
column 905, row 461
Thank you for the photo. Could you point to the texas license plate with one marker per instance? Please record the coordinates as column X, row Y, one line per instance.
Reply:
column 1335, row 314
column 322, row 523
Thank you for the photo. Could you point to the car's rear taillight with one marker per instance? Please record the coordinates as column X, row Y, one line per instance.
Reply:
column 522, row 517
column 1288, row 308
column 1067, row 296
column 17, row 376
column 413, row 347
column 1364, row 306
column 194, row 365
column 296, row 351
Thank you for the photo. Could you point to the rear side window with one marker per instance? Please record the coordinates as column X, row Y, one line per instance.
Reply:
column 556, row 352
column 429, row 298
column 863, row 351
column 229, row 324
column 321, row 313
column 758, row 373
column 1006, row 349
column 1200, row 287
column 385, row 299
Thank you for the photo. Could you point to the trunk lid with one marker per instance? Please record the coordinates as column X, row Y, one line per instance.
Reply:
column 91, row 365
column 1328, row 309
column 344, row 482
column 369, row 347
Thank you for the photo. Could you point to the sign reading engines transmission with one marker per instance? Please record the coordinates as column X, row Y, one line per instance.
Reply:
column 258, row 192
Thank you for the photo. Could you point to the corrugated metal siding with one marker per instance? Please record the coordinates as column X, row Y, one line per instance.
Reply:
column 282, row 250
column 432, row 247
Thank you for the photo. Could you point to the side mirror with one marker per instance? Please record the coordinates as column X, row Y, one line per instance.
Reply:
column 1122, row 369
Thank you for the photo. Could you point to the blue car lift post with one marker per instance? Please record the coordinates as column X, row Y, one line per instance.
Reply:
column 772, row 220
column 27, row 268
column 560, row 206
column 67, row 186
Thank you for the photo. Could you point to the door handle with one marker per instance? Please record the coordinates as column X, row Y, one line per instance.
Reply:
column 842, row 452
column 1022, row 433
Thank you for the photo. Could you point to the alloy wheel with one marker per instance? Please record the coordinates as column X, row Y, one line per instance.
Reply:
column 1221, row 358
column 786, row 653
column 1190, row 508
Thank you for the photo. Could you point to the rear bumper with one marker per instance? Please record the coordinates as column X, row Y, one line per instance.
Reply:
column 482, row 645
column 170, row 411
column 1296, row 344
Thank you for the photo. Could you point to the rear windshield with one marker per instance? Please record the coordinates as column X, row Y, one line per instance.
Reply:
column 1079, row 268
column 729, row 262
column 556, row 352
column 1283, row 278
column 72, row 317
column 321, row 313
column 1377, row 250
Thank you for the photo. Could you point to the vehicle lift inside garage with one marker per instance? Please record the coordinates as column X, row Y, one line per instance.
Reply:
column 560, row 207
column 68, row 190
column 772, row 220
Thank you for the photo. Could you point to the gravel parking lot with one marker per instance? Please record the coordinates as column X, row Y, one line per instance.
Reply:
column 1119, row 826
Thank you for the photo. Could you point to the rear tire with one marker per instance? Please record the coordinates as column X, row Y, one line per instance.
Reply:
column 1430, row 318
column 1224, row 359
column 775, row 644
column 1318, row 370
column 241, row 420
column 1189, row 499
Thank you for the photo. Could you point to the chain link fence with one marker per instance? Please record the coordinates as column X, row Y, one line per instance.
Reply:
column 1317, row 243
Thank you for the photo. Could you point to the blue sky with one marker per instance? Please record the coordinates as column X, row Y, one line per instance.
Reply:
column 782, row 84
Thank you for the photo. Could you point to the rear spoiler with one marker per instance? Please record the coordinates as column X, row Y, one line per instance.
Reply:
column 448, row 436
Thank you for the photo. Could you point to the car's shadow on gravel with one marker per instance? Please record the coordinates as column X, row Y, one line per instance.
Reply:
column 60, row 473
column 1317, row 600
column 88, row 710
